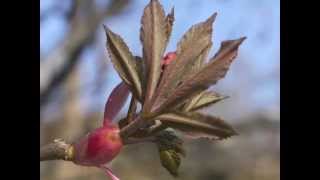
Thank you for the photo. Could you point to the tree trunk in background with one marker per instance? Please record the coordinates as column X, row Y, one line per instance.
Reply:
column 71, row 128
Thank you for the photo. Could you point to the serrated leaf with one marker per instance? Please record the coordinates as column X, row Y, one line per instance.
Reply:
column 201, row 125
column 153, row 36
column 124, row 62
column 193, row 47
column 202, row 100
column 208, row 75
column 170, row 160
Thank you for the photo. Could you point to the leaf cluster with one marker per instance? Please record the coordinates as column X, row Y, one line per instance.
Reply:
column 172, row 97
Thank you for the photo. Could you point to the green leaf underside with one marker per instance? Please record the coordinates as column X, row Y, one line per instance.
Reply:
column 199, row 125
column 153, row 37
column 206, row 76
column 191, row 51
column 124, row 62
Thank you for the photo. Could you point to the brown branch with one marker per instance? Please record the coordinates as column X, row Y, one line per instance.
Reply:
column 58, row 150
column 61, row 150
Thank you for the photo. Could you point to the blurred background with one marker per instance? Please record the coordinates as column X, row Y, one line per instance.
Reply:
column 76, row 77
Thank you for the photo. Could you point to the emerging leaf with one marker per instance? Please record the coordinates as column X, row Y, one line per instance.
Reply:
column 169, row 140
column 124, row 62
column 208, row 75
column 193, row 47
column 170, row 150
column 170, row 160
column 199, row 125
column 115, row 102
column 153, row 35
column 131, row 113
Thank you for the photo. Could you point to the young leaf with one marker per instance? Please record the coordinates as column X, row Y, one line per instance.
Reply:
column 115, row 102
column 153, row 37
column 201, row 125
column 193, row 47
column 208, row 75
column 131, row 113
column 169, row 140
column 123, row 62
column 203, row 99
column 170, row 160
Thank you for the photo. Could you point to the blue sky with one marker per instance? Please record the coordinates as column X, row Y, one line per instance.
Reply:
column 256, row 72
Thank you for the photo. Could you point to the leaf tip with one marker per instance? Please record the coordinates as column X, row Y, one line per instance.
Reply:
column 105, row 27
column 242, row 39
column 233, row 132
column 107, row 30
column 225, row 97
column 212, row 18
column 172, row 12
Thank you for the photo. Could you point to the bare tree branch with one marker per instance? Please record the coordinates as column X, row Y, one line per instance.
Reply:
column 57, row 66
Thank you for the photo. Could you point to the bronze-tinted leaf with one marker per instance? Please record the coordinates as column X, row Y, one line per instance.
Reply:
column 142, row 74
column 123, row 122
column 208, row 75
column 193, row 47
column 199, row 62
column 124, row 62
column 132, row 108
column 153, row 36
column 199, row 125
column 203, row 99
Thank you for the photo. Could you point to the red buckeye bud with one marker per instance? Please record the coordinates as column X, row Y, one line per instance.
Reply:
column 103, row 144
column 168, row 58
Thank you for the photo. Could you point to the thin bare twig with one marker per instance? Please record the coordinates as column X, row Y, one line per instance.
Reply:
column 58, row 150
column 61, row 150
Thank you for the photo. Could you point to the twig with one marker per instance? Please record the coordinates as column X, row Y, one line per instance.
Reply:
column 156, row 128
column 132, row 127
column 58, row 150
